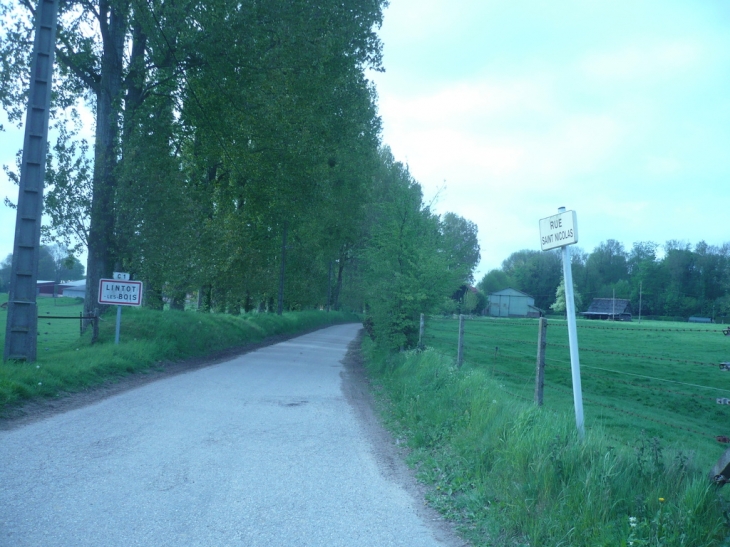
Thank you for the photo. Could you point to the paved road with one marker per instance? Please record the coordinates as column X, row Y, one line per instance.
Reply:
column 267, row 449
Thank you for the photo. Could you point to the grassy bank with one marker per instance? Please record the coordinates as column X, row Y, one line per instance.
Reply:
column 67, row 362
column 513, row 474
column 661, row 378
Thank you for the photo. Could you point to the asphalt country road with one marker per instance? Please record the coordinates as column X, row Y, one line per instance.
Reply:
column 278, row 447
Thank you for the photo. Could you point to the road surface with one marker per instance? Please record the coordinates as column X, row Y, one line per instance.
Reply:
column 277, row 447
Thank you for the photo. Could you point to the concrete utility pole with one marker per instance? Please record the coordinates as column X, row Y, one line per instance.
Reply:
column 21, row 333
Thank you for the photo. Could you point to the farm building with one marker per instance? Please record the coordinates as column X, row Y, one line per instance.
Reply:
column 512, row 303
column 75, row 289
column 69, row 288
column 616, row 309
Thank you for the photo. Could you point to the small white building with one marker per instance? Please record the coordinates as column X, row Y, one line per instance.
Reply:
column 74, row 289
column 512, row 303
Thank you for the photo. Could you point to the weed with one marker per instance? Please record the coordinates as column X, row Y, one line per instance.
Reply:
column 506, row 469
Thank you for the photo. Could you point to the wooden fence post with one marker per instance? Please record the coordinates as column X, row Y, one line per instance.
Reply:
column 420, row 332
column 95, row 331
column 460, row 350
column 540, row 367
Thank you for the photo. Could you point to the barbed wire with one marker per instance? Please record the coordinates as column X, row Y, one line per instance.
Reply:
column 630, row 413
column 640, row 356
column 498, row 338
column 501, row 353
column 653, row 388
column 552, row 321
column 518, row 396
column 528, row 381
column 566, row 365
column 646, row 329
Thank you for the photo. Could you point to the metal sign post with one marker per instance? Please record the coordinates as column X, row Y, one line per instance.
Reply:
column 561, row 230
column 120, row 292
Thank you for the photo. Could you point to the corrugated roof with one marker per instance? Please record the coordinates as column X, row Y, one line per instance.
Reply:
column 508, row 291
column 609, row 306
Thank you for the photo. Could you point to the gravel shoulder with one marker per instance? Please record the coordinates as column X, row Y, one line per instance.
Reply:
column 391, row 457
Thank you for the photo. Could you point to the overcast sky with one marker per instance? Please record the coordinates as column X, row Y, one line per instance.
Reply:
column 618, row 110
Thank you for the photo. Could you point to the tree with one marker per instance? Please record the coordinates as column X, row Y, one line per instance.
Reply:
column 56, row 264
column 461, row 246
column 406, row 267
column 604, row 267
column 560, row 306
column 5, row 270
column 493, row 281
column 536, row 273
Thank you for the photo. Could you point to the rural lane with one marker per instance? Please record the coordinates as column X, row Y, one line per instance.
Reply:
column 277, row 447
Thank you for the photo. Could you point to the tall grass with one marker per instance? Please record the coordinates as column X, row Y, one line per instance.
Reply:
column 148, row 337
column 641, row 387
column 515, row 474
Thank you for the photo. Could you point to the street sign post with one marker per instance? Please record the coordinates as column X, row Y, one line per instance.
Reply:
column 120, row 292
column 560, row 231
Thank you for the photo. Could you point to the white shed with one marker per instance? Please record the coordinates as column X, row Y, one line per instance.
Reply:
column 512, row 303
column 75, row 289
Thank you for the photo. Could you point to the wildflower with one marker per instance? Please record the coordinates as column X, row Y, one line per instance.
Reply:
column 661, row 500
column 632, row 522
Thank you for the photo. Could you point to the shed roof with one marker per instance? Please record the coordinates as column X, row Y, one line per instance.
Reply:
column 509, row 291
column 609, row 306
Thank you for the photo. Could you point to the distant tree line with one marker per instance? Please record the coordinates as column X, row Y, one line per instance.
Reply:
column 237, row 159
column 676, row 279
column 54, row 264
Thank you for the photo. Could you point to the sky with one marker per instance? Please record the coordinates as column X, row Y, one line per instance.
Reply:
column 617, row 110
column 505, row 111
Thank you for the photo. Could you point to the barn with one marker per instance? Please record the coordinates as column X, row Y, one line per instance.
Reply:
column 512, row 303
column 616, row 309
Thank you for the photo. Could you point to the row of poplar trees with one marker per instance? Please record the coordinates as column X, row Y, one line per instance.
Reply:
column 236, row 156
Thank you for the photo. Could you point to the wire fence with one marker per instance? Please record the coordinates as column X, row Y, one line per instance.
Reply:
column 635, row 371
column 61, row 323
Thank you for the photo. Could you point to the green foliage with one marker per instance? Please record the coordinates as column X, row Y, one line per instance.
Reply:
column 535, row 273
column 238, row 157
column 640, row 387
column 5, row 270
column 685, row 281
column 407, row 258
column 559, row 306
column 494, row 281
column 511, row 473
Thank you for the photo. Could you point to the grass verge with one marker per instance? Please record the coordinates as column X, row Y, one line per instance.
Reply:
column 514, row 474
column 68, row 363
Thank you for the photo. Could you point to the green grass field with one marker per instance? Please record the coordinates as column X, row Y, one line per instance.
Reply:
column 514, row 474
column 67, row 362
column 657, row 377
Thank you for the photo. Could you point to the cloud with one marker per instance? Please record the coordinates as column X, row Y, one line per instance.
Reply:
column 643, row 61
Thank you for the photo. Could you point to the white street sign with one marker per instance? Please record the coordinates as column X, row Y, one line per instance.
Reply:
column 120, row 276
column 120, row 293
column 561, row 230
column 558, row 230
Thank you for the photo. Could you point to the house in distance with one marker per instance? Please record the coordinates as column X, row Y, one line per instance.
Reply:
column 512, row 303
column 616, row 309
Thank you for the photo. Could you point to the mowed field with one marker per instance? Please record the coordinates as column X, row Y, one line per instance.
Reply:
column 640, row 380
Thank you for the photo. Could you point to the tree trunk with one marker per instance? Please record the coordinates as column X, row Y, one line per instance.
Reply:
column 338, row 285
column 280, row 307
column 113, row 23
